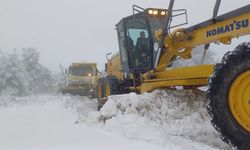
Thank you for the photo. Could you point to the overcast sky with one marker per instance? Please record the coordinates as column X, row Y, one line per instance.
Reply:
column 66, row 31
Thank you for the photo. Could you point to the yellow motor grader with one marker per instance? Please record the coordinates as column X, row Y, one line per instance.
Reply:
column 149, row 43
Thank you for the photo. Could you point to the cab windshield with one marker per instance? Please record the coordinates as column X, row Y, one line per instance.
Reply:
column 81, row 71
column 138, row 43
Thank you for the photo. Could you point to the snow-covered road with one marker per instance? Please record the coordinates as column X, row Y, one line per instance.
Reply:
column 53, row 127
column 56, row 122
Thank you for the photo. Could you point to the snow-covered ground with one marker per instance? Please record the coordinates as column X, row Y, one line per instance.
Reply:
column 169, row 120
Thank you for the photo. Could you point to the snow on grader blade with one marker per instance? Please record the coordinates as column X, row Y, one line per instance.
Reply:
column 149, row 46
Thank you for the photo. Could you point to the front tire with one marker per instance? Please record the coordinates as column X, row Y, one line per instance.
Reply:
column 229, row 97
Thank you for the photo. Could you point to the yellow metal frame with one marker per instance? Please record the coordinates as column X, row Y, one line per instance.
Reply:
column 107, row 89
column 99, row 87
column 187, row 76
column 114, row 67
column 199, row 37
column 190, row 76
column 181, row 45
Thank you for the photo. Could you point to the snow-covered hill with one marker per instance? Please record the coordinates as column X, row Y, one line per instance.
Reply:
column 169, row 120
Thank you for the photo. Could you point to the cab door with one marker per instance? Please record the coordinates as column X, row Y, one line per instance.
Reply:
column 138, row 43
column 122, row 47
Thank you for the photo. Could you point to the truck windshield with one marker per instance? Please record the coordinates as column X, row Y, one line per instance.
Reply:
column 81, row 71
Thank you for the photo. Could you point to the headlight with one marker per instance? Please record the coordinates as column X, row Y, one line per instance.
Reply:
column 163, row 13
column 89, row 74
column 150, row 11
column 157, row 12
column 153, row 12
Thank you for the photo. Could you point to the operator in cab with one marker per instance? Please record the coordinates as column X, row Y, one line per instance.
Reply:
column 142, row 47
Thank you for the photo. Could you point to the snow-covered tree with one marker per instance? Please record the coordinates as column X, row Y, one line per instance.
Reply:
column 41, row 77
column 60, row 77
column 13, row 78
column 22, row 74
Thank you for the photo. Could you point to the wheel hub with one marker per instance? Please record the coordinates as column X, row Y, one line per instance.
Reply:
column 239, row 99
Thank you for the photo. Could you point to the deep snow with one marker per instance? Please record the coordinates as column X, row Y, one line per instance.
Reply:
column 170, row 120
column 49, row 125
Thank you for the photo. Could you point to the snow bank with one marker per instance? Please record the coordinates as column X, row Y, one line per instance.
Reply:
column 171, row 120
column 49, row 122
column 162, row 117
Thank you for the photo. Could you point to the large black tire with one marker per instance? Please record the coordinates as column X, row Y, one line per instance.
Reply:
column 111, row 86
column 114, row 85
column 233, row 65
column 100, row 92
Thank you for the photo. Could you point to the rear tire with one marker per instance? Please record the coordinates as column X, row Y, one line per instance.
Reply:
column 225, row 109
column 111, row 86
column 100, row 92
column 113, row 83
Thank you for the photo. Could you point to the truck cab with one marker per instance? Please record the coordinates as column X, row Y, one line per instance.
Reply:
column 81, row 79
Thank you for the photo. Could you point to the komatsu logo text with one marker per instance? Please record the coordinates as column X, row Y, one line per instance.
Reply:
column 236, row 25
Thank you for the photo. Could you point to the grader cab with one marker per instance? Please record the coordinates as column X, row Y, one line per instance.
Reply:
column 148, row 46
